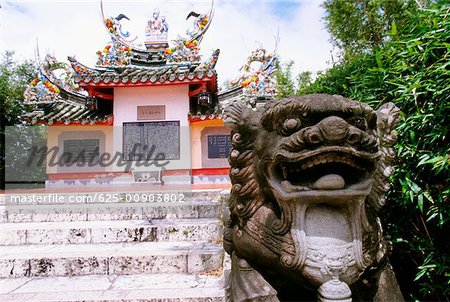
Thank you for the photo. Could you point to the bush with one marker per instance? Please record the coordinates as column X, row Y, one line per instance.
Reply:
column 14, row 77
column 412, row 70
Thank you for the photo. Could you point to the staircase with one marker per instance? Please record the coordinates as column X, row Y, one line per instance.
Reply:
column 123, row 251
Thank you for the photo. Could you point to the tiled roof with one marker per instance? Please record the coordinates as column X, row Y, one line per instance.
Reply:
column 147, row 58
column 232, row 95
column 237, row 94
column 229, row 96
column 225, row 98
column 217, row 115
column 119, row 75
column 63, row 112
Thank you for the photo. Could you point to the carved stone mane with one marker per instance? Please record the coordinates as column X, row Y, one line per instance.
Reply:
column 309, row 176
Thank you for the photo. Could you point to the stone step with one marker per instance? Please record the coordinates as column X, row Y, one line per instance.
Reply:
column 110, row 259
column 110, row 211
column 85, row 232
column 141, row 287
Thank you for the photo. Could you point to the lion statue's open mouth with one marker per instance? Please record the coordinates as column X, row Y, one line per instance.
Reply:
column 329, row 168
column 309, row 175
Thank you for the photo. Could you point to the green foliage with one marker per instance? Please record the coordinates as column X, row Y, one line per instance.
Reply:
column 360, row 26
column 410, row 67
column 13, row 79
column 285, row 85
column 23, row 170
column 304, row 79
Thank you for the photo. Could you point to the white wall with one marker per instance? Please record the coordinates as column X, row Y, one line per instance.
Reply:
column 176, row 100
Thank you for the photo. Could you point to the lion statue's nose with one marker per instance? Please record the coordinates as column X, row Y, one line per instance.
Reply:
column 333, row 128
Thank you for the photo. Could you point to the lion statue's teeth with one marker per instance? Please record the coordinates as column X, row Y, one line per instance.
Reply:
column 291, row 188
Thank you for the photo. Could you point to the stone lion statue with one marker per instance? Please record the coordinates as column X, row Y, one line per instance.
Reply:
column 309, row 174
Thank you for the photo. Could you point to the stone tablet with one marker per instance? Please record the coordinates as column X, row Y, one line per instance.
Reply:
column 151, row 112
column 81, row 150
column 144, row 140
column 219, row 146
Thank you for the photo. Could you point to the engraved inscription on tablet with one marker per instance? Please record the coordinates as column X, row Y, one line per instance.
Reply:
column 151, row 112
column 144, row 140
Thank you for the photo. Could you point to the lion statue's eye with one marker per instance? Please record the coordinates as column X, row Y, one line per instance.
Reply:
column 359, row 123
column 291, row 125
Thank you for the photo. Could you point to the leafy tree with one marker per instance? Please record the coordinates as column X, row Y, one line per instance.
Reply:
column 304, row 79
column 14, row 77
column 360, row 26
column 285, row 84
column 410, row 67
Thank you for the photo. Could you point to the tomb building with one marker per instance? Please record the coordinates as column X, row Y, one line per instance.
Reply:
column 146, row 112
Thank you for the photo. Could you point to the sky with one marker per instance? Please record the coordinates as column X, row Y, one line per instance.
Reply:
column 69, row 28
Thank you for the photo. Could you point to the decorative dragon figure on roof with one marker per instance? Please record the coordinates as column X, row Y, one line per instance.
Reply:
column 259, row 81
column 186, row 49
column 52, row 77
column 119, row 52
column 211, row 62
column 114, row 54
column 309, row 175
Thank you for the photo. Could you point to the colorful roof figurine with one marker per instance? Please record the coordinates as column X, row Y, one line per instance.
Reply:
column 156, row 32
column 81, row 70
column 58, row 99
column 259, row 81
column 210, row 64
column 123, row 62
column 114, row 27
column 125, row 51
column 54, row 82
column 186, row 49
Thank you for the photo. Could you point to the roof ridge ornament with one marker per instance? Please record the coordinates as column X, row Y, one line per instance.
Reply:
column 186, row 49
column 114, row 27
column 156, row 32
column 121, row 51
column 210, row 63
column 54, row 82
column 258, row 81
